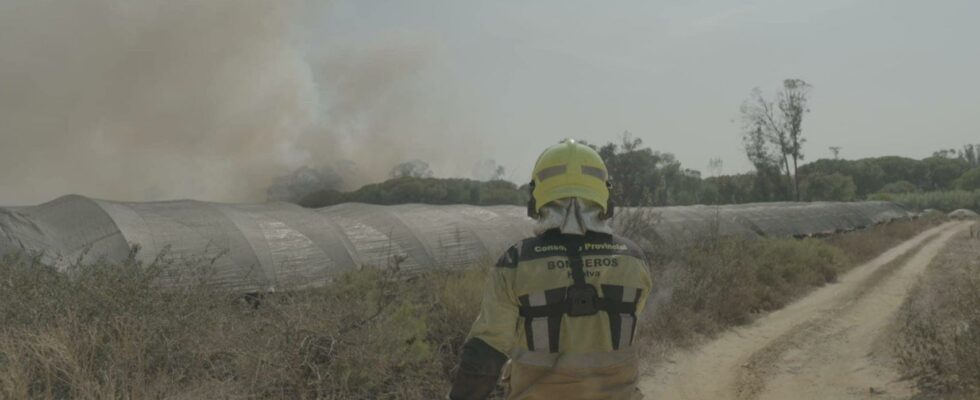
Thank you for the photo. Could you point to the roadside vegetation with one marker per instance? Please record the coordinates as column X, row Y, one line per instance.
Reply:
column 938, row 345
column 105, row 331
column 717, row 283
column 942, row 201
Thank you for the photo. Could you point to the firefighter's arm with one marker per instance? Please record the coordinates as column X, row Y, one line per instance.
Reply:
column 479, row 370
column 490, row 340
column 647, row 281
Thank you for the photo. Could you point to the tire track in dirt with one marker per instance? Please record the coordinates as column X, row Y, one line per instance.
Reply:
column 763, row 364
column 818, row 347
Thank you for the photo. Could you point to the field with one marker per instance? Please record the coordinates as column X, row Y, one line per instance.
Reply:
column 938, row 341
column 104, row 331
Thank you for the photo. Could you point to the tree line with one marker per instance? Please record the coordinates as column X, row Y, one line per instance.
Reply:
column 645, row 177
column 423, row 189
column 773, row 141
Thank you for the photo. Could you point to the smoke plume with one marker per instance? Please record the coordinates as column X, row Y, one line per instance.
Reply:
column 189, row 99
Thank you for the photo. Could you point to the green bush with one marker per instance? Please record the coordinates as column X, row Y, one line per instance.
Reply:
column 873, row 175
column 944, row 201
column 970, row 180
column 898, row 187
column 827, row 187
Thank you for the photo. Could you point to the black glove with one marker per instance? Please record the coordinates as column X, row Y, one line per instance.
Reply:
column 479, row 370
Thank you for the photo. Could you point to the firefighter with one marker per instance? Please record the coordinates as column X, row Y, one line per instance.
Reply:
column 562, row 307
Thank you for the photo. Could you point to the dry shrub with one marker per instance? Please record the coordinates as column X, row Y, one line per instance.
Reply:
column 939, row 325
column 716, row 282
column 720, row 283
column 104, row 331
column 863, row 245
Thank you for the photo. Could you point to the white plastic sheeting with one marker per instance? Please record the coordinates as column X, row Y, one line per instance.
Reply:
column 274, row 246
column 771, row 219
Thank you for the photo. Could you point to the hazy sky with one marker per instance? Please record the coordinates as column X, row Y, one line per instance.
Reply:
column 889, row 77
column 211, row 100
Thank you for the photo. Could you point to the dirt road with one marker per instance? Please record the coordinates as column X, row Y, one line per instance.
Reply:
column 824, row 346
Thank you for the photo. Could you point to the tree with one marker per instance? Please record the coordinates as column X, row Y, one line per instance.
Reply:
column 303, row 181
column 943, row 171
column 832, row 187
column 716, row 166
column 729, row 189
column 780, row 122
column 488, row 170
column 944, row 153
column 836, row 150
column 412, row 169
column 501, row 192
column 768, row 185
column 424, row 190
column 865, row 173
column 898, row 187
column 970, row 180
column 632, row 171
column 902, row 169
column 641, row 176
column 971, row 154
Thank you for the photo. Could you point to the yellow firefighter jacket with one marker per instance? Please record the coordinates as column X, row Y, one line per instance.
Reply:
column 555, row 355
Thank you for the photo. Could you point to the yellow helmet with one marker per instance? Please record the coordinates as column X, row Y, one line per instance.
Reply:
column 569, row 169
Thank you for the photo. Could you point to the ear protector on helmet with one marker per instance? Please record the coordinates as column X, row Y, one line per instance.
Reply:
column 532, row 204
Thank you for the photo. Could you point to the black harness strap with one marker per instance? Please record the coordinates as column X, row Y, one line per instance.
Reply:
column 550, row 310
column 554, row 321
column 609, row 304
column 615, row 319
column 579, row 299
column 528, row 327
column 575, row 261
column 552, row 298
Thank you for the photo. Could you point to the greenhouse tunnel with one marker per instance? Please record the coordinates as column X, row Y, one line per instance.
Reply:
column 281, row 246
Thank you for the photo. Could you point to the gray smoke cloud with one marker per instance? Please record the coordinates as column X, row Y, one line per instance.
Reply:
column 189, row 99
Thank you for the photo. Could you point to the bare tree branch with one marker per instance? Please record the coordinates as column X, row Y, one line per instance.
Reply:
column 781, row 124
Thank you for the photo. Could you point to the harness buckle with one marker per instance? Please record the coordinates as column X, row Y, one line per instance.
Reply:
column 581, row 300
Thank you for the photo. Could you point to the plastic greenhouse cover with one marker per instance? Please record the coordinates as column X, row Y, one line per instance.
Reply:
column 278, row 246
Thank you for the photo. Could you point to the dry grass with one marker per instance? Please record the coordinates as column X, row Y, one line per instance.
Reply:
column 938, row 344
column 717, row 283
column 104, row 331
column 862, row 246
